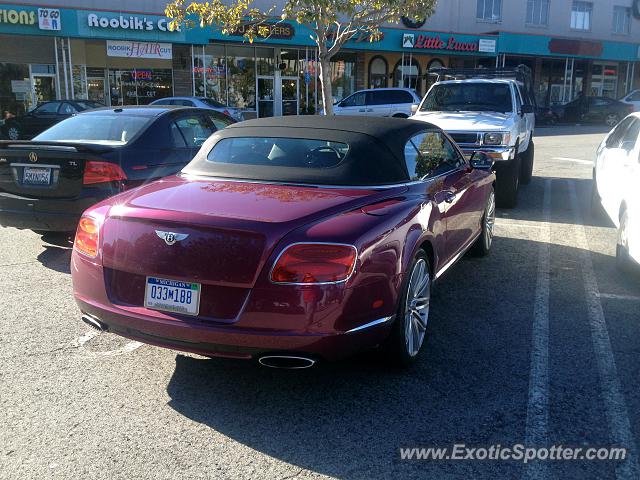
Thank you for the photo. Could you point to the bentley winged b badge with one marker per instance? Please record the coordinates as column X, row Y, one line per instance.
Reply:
column 170, row 237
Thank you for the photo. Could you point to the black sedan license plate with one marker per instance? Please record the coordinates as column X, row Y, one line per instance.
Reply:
column 36, row 176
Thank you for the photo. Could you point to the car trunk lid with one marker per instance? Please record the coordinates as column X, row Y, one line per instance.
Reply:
column 225, row 232
column 45, row 169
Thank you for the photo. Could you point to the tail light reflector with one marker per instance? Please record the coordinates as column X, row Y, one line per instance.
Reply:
column 87, row 237
column 101, row 172
column 309, row 263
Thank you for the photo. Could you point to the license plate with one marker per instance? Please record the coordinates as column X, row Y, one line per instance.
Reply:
column 36, row 176
column 172, row 296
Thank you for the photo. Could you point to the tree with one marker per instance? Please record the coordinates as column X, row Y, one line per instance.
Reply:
column 332, row 22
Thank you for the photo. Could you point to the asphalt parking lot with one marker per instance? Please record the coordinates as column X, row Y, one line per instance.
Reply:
column 536, row 344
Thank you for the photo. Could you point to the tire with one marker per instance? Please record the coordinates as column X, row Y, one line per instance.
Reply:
column 624, row 262
column 508, row 184
column 408, row 333
column 611, row 119
column 482, row 246
column 12, row 132
column 526, row 171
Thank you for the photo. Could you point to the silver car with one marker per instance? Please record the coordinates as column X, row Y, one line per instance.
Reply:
column 202, row 102
column 379, row 102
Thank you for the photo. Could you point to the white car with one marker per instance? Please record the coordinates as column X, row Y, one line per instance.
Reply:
column 632, row 98
column 378, row 102
column 202, row 102
column 492, row 115
column 616, row 189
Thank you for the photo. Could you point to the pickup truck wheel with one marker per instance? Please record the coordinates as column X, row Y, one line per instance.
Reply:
column 409, row 328
column 527, row 164
column 508, row 183
column 482, row 247
column 624, row 262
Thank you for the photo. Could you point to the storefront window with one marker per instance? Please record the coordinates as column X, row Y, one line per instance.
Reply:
column 407, row 74
column 209, row 72
column 96, row 85
column 288, row 63
column 139, row 86
column 378, row 72
column 80, row 82
column 15, row 89
column 343, row 75
column 242, row 77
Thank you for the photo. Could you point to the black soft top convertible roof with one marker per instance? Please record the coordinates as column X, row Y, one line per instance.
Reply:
column 375, row 157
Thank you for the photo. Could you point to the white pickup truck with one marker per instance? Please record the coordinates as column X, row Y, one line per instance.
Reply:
column 487, row 112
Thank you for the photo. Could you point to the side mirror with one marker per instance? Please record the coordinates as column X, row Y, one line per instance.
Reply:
column 527, row 108
column 414, row 108
column 481, row 161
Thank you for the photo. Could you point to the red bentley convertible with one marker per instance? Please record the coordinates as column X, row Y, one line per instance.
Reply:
column 288, row 240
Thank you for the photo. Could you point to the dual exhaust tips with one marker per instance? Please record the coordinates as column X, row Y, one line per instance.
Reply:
column 288, row 362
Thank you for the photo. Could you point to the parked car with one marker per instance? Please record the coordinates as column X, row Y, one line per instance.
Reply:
column 47, row 183
column 484, row 110
column 632, row 98
column 202, row 102
column 593, row 109
column 42, row 117
column 616, row 177
column 378, row 102
column 288, row 240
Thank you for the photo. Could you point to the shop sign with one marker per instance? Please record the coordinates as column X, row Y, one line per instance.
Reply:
column 276, row 31
column 410, row 40
column 20, row 86
column 564, row 46
column 487, row 45
column 132, row 49
column 128, row 22
column 49, row 19
column 18, row 17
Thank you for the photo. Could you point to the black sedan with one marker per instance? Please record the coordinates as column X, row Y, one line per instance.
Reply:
column 593, row 109
column 47, row 183
column 42, row 117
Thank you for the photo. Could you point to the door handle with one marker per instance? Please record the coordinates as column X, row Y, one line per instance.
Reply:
column 362, row 110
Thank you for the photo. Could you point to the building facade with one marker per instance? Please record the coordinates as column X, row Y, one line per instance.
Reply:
column 122, row 53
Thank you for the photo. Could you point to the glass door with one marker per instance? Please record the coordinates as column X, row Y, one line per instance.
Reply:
column 290, row 95
column 266, row 97
column 44, row 88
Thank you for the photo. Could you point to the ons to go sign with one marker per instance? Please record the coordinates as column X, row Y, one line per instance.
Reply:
column 49, row 19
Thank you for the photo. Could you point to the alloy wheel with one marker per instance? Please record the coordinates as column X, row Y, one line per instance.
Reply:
column 490, row 220
column 13, row 133
column 611, row 120
column 417, row 307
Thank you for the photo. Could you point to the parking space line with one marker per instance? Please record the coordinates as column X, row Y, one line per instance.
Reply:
column 574, row 160
column 538, row 402
column 614, row 401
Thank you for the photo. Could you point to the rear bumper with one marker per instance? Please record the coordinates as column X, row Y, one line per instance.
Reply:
column 232, row 341
column 60, row 215
column 328, row 330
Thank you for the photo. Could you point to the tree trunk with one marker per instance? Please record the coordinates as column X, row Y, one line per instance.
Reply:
column 325, row 83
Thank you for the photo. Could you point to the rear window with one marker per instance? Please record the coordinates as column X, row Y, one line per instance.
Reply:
column 278, row 152
column 107, row 129
column 468, row 97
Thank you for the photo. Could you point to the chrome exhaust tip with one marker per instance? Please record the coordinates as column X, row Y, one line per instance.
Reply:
column 94, row 323
column 288, row 362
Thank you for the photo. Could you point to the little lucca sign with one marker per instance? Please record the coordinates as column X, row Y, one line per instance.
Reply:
column 451, row 43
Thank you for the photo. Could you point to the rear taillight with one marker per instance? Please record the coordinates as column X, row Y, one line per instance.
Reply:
column 87, row 237
column 101, row 172
column 309, row 263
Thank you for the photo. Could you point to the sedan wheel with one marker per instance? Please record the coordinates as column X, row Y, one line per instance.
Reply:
column 416, row 309
column 612, row 120
column 485, row 240
column 13, row 133
column 409, row 329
